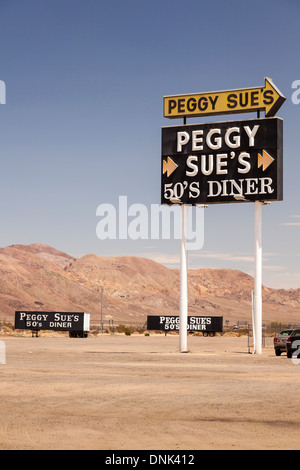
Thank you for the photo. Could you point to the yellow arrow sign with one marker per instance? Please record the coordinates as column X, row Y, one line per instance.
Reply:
column 265, row 160
column 267, row 98
column 169, row 166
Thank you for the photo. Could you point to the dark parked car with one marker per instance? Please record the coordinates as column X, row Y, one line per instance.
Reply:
column 280, row 342
column 293, row 343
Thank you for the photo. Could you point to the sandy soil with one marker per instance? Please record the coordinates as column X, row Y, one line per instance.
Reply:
column 125, row 393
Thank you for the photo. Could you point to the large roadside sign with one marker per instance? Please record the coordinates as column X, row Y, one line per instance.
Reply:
column 223, row 162
column 267, row 98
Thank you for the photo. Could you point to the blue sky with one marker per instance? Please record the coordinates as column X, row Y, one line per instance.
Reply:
column 82, row 122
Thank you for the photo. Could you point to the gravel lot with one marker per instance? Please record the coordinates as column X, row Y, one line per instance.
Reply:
column 140, row 393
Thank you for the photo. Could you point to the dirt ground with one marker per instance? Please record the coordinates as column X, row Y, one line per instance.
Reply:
column 139, row 393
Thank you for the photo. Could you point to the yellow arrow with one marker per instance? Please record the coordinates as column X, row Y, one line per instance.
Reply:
column 273, row 98
column 265, row 160
column 267, row 98
column 169, row 166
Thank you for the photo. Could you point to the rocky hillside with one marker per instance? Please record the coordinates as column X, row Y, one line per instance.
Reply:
column 38, row 277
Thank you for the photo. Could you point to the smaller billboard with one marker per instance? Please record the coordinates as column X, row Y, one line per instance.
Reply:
column 56, row 321
column 169, row 323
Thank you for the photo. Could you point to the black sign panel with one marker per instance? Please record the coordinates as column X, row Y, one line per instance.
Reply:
column 171, row 323
column 57, row 321
column 236, row 161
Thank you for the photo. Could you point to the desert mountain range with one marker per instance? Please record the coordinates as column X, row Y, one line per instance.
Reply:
column 38, row 277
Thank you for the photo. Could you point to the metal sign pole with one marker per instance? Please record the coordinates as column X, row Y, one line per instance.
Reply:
column 253, row 322
column 183, row 306
column 101, row 309
column 257, row 314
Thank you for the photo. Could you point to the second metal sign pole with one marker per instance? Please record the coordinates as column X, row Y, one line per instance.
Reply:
column 257, row 307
